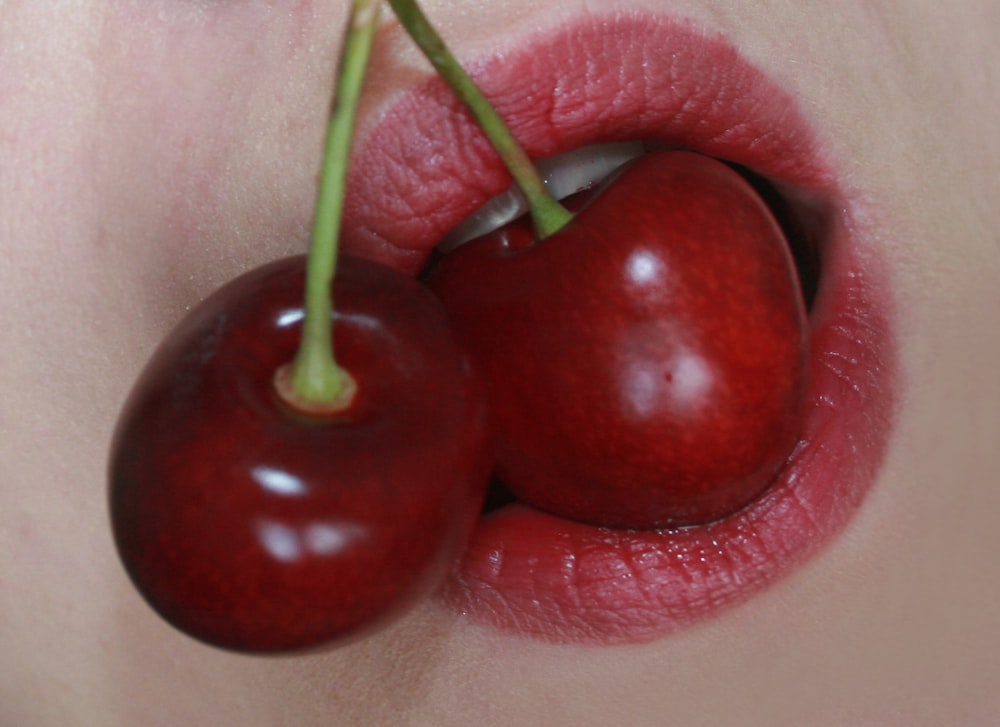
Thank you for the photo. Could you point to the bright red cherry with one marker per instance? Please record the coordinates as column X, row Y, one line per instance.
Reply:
column 254, row 528
column 646, row 364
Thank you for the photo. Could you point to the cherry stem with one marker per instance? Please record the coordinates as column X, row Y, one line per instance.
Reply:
column 314, row 382
column 547, row 214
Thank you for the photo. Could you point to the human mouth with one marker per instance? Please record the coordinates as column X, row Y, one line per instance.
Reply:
column 644, row 78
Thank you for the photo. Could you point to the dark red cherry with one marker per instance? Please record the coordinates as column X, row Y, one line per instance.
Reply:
column 255, row 528
column 645, row 365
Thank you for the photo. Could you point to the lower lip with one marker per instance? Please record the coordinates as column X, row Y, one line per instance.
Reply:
column 539, row 575
column 534, row 574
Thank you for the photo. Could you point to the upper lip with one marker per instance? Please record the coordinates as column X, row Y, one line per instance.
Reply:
column 425, row 166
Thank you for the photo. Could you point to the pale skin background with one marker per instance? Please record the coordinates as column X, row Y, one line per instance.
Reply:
column 114, row 113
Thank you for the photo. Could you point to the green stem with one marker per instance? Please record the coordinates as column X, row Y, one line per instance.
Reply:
column 547, row 214
column 314, row 381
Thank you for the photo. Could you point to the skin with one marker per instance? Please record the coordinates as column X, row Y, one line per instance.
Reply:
column 149, row 151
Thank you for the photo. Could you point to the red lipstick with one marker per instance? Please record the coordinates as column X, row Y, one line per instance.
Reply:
column 426, row 166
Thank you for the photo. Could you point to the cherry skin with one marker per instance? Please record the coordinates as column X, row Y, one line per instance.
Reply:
column 254, row 528
column 646, row 364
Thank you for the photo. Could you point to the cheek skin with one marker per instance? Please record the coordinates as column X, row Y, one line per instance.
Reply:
column 210, row 137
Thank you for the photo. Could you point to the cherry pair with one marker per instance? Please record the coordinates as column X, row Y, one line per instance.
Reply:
column 641, row 368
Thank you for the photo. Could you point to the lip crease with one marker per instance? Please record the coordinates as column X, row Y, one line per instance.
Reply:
column 425, row 167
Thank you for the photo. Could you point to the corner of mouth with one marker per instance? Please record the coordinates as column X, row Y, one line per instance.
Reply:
column 426, row 167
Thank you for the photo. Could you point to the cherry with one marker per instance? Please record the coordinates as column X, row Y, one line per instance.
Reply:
column 256, row 528
column 646, row 363
column 267, row 496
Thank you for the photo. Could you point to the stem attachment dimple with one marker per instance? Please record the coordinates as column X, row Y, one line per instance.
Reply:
column 547, row 214
column 313, row 382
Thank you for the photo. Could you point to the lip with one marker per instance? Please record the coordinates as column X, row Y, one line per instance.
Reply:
column 529, row 573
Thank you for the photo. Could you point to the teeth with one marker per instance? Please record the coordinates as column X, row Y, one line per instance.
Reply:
column 564, row 175
column 577, row 170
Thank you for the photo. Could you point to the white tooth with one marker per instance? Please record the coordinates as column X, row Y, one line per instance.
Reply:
column 491, row 216
column 577, row 170
column 564, row 175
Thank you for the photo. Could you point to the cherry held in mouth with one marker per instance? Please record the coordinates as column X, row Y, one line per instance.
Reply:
column 645, row 364
column 255, row 528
